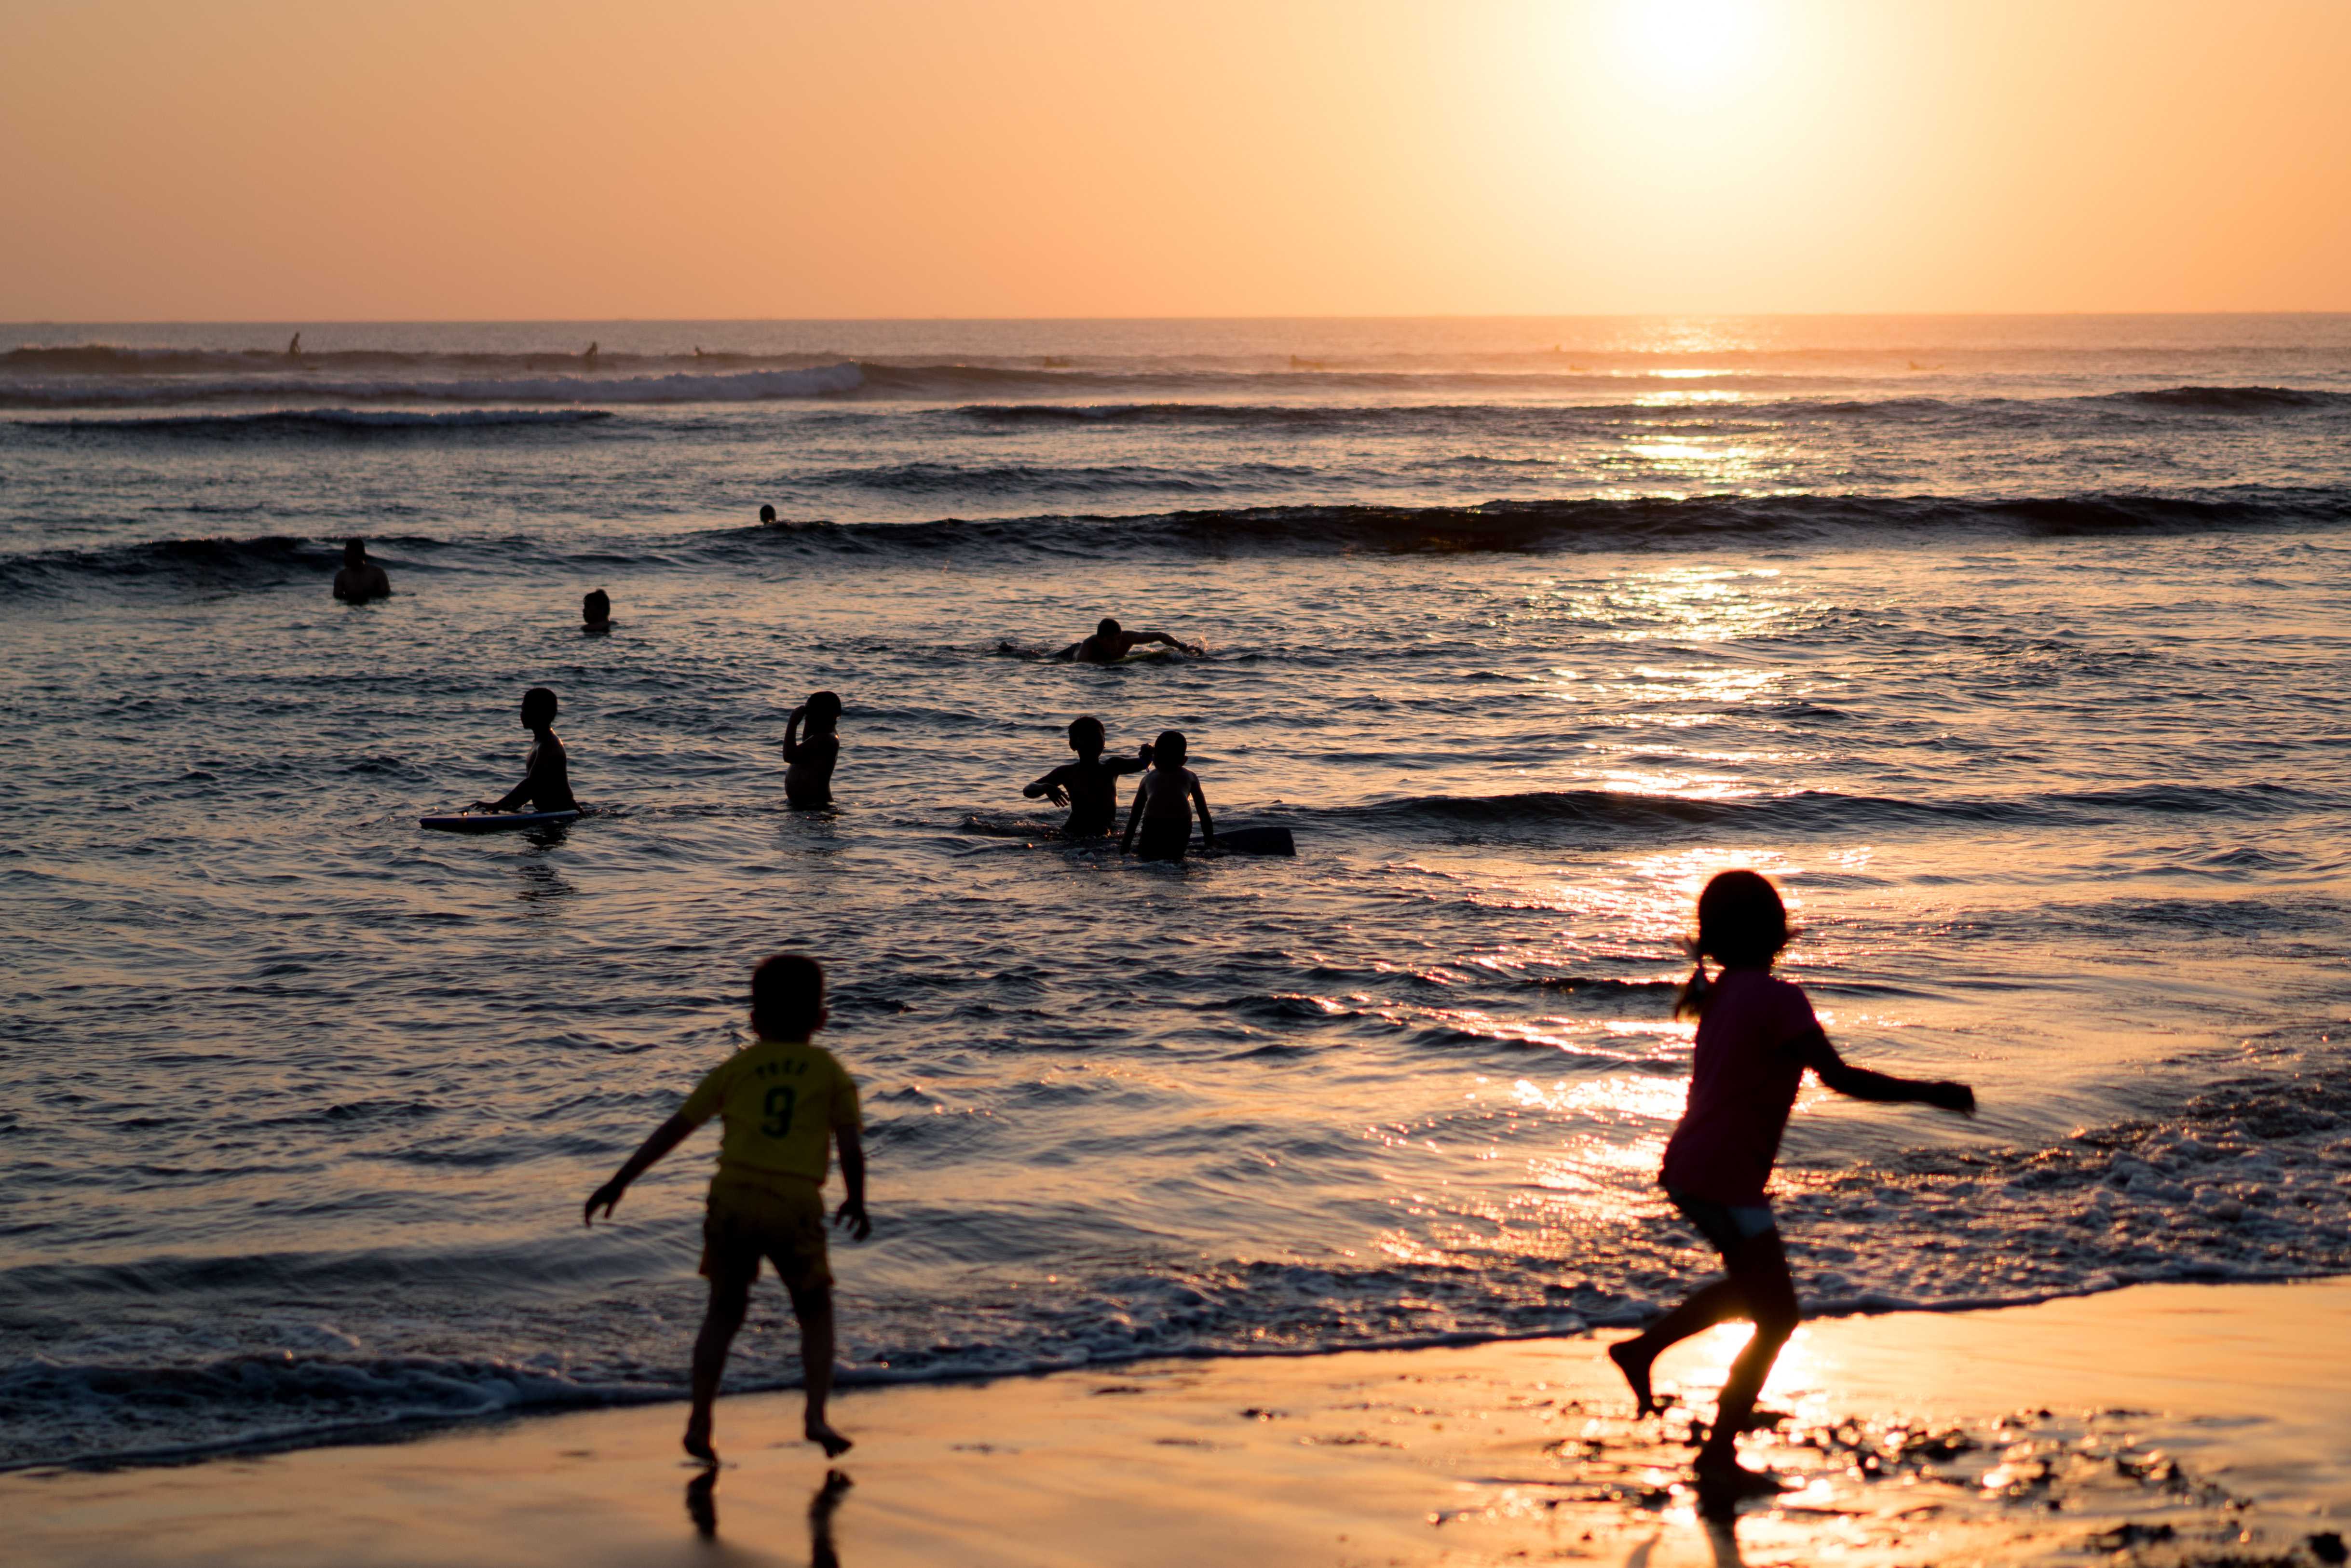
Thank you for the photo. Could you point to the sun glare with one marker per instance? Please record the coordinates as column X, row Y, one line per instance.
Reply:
column 1688, row 45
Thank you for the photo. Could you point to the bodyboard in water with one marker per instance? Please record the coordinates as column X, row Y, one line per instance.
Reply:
column 494, row 822
column 1255, row 842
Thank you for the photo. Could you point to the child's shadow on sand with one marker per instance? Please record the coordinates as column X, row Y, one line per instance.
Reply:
column 702, row 1507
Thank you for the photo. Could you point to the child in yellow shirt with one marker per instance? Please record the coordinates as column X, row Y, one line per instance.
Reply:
column 784, row 1103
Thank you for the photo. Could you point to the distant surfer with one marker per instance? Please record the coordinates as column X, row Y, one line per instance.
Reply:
column 596, row 611
column 547, row 775
column 361, row 579
column 1088, row 786
column 591, row 356
column 294, row 349
column 1110, row 643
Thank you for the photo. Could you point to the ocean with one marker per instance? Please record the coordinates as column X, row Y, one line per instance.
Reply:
column 2014, row 648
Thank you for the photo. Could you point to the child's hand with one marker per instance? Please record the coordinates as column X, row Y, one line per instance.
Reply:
column 852, row 1219
column 606, row 1195
column 799, row 710
column 1056, row 794
column 1952, row 1097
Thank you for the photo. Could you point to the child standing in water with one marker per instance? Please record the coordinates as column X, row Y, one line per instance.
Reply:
column 1163, row 804
column 784, row 1103
column 1088, row 786
column 809, row 754
column 547, row 775
column 1756, row 1036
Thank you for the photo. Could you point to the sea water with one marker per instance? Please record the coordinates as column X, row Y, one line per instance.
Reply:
column 2013, row 649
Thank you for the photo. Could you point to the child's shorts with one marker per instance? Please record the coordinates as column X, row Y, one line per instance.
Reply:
column 780, row 1219
column 1722, row 1224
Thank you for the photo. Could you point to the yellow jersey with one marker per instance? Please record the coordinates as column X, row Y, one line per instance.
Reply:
column 780, row 1101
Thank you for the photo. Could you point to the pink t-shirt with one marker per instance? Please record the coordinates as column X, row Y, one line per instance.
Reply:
column 1743, row 1083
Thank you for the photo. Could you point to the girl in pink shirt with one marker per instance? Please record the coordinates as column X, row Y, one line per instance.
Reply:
column 1756, row 1036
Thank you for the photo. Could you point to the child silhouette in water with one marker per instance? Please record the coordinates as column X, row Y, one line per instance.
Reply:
column 547, row 776
column 1163, row 804
column 1756, row 1037
column 1088, row 786
column 785, row 1104
column 809, row 753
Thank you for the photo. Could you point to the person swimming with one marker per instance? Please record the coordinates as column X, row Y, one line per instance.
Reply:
column 596, row 611
column 766, row 513
column 547, row 774
column 1088, row 786
column 1110, row 643
column 361, row 579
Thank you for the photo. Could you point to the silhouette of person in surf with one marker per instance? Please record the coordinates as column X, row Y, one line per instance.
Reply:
column 294, row 349
column 766, row 513
column 547, row 775
column 1110, row 643
column 809, row 754
column 786, row 1105
column 361, row 579
column 1756, row 1038
column 591, row 356
column 596, row 611
column 1088, row 786
column 1164, row 802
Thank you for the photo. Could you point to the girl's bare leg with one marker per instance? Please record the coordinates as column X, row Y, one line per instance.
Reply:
column 1708, row 1306
column 1758, row 1268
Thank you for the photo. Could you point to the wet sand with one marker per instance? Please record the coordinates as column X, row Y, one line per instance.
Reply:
column 2164, row 1423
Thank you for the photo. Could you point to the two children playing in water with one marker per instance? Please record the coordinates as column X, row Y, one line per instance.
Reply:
column 1162, row 811
column 785, row 1104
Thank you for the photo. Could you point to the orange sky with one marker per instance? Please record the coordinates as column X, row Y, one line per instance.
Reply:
column 267, row 159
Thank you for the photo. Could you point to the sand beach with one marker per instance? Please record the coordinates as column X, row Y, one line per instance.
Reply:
column 2173, row 1423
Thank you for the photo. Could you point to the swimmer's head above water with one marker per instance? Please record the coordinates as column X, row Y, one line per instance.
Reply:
column 1170, row 750
column 1087, row 737
column 596, row 608
column 539, row 708
column 1107, row 627
column 355, row 552
column 766, row 513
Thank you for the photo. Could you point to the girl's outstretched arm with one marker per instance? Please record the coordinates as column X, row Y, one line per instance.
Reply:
column 1208, row 828
column 1861, row 1083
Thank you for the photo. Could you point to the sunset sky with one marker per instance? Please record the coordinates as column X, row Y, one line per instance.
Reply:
column 267, row 160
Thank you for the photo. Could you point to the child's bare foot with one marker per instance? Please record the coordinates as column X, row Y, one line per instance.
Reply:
column 819, row 1430
column 1729, row 1478
column 697, row 1438
column 1635, row 1368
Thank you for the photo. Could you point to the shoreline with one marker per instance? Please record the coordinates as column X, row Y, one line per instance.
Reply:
column 2152, row 1421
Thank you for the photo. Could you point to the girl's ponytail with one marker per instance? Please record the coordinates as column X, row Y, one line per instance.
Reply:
column 1696, row 990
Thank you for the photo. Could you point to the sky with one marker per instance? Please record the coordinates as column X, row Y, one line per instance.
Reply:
column 417, row 160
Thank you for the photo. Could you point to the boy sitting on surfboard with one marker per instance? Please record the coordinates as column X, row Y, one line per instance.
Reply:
column 547, row 778
column 1088, row 786
column 784, row 1103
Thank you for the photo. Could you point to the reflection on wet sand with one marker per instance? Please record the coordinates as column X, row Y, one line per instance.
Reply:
column 702, row 1508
